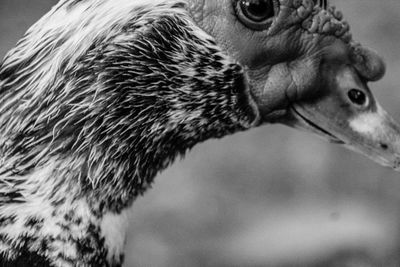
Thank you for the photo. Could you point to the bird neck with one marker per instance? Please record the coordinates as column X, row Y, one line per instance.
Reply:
column 45, row 230
column 83, row 132
column 111, row 118
column 60, row 213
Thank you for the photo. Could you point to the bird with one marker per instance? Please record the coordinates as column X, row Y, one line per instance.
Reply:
column 99, row 96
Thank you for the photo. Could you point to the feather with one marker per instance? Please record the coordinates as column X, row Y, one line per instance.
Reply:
column 95, row 100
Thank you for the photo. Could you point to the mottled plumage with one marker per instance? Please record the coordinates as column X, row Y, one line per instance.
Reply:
column 86, row 132
column 101, row 95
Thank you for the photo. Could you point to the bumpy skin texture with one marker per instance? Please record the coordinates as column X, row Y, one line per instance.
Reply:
column 283, row 60
column 101, row 95
column 302, row 64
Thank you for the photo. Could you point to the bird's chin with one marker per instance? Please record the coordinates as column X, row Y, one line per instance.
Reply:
column 298, row 120
column 276, row 116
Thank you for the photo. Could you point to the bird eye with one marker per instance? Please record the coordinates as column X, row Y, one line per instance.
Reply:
column 357, row 97
column 255, row 14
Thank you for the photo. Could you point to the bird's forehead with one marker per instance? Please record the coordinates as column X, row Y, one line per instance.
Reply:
column 314, row 16
column 296, row 23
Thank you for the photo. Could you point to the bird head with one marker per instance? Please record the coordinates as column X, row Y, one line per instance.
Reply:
column 305, row 70
column 104, row 79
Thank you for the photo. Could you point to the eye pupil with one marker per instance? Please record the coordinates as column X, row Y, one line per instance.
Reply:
column 357, row 97
column 257, row 10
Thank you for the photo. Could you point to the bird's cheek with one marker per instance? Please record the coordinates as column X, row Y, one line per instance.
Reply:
column 305, row 75
column 269, row 88
column 282, row 84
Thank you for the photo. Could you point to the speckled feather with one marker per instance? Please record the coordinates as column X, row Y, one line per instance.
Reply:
column 93, row 105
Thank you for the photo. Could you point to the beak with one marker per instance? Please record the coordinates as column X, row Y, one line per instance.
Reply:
column 346, row 112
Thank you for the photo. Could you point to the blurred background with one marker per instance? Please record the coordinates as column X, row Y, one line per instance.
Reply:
column 272, row 196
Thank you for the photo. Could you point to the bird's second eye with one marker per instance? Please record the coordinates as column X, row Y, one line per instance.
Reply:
column 255, row 14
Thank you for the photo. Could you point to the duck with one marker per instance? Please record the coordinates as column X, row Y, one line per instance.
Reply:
column 99, row 96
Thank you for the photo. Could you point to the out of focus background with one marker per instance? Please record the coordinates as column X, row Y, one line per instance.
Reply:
column 272, row 196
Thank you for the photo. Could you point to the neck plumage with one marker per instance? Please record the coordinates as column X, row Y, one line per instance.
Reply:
column 91, row 110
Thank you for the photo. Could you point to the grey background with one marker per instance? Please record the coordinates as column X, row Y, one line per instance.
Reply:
column 272, row 196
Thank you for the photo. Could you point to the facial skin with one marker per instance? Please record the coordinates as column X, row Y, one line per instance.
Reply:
column 305, row 70
column 101, row 95
column 282, row 58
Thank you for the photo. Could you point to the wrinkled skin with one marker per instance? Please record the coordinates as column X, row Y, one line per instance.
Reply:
column 91, row 111
column 302, row 68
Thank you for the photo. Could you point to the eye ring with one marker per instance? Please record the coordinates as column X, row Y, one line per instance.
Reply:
column 256, row 14
column 358, row 97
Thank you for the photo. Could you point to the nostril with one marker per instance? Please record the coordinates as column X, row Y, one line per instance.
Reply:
column 358, row 97
column 384, row 146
